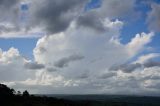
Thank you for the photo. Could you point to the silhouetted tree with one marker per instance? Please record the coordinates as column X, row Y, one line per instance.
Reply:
column 5, row 91
column 19, row 93
column 25, row 93
column 13, row 91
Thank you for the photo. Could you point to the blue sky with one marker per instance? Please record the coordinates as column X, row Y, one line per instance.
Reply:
column 25, row 46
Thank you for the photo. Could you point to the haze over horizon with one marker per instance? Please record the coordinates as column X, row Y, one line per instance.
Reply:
column 81, row 46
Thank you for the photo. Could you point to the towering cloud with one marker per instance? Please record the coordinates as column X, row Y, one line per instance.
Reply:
column 12, row 66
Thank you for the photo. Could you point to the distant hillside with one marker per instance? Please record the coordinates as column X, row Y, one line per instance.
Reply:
column 10, row 97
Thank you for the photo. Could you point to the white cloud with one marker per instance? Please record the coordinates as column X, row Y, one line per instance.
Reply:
column 12, row 66
column 86, row 55
column 138, row 43
column 148, row 57
column 98, row 52
column 85, row 42
column 90, row 72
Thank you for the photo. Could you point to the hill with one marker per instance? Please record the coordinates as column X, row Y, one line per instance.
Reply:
column 9, row 97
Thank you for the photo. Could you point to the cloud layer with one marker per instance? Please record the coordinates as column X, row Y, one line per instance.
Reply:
column 55, row 16
column 82, row 50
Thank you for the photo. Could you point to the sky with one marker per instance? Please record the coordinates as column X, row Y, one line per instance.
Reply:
column 81, row 46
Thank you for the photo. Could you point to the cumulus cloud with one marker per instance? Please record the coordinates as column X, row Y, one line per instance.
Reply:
column 11, row 66
column 79, row 41
column 58, row 65
column 94, row 81
column 99, row 51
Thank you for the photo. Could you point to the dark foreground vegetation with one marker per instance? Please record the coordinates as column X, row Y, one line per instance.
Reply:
column 9, row 97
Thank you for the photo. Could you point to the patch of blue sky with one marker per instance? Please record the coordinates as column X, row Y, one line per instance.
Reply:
column 139, row 26
column 152, row 47
column 24, row 7
column 93, row 4
column 157, row 1
column 25, row 46
column 146, row 52
column 132, row 28
column 142, row 7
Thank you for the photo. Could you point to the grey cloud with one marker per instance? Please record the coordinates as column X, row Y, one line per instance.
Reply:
column 111, row 9
column 151, row 64
column 33, row 65
column 152, row 77
column 155, row 86
column 7, row 3
column 117, row 8
column 153, row 19
column 84, row 75
column 90, row 20
column 9, row 14
column 131, row 67
column 56, row 15
column 52, row 15
column 51, row 69
column 42, row 49
column 126, row 67
column 6, row 28
column 107, row 75
column 63, row 62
